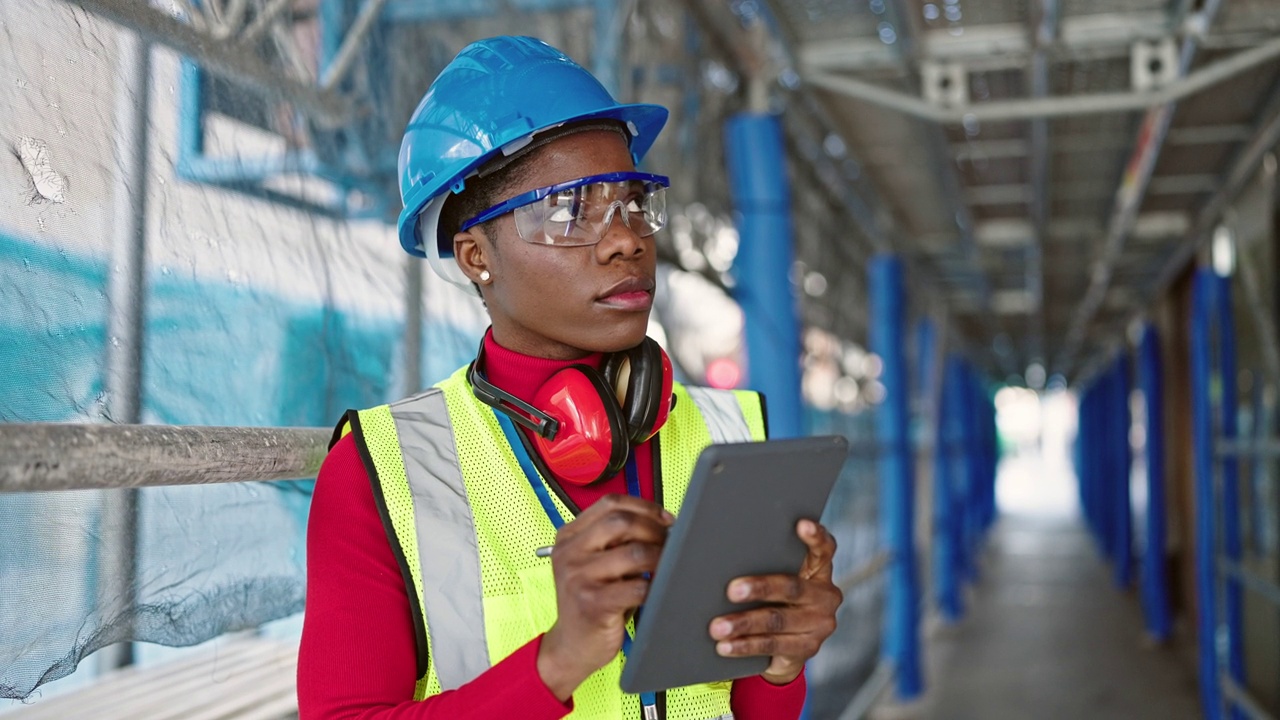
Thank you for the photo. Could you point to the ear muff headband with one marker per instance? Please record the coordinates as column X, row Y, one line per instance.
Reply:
column 513, row 407
column 643, row 390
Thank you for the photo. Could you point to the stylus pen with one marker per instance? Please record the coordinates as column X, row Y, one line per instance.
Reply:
column 543, row 551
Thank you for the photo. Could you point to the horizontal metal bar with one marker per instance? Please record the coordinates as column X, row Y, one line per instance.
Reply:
column 1247, row 448
column 50, row 456
column 1209, row 135
column 1250, row 579
column 999, row 46
column 1058, row 106
column 1242, row 699
column 870, row 569
column 870, row 692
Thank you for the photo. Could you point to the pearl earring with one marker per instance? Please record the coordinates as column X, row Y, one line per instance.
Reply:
column 484, row 276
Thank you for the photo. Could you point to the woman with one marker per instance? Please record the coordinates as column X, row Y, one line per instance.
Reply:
column 428, row 594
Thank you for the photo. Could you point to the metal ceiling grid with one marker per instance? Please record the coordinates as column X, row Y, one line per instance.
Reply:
column 817, row 20
column 1248, row 16
column 1100, row 7
column 969, row 13
column 1007, row 217
column 893, row 154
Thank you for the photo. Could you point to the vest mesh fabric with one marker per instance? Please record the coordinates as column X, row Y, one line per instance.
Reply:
column 510, row 524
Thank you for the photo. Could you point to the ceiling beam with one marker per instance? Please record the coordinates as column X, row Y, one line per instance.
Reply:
column 1128, row 199
column 1265, row 137
column 901, row 15
column 1050, row 107
column 1043, row 31
column 993, row 47
column 1209, row 135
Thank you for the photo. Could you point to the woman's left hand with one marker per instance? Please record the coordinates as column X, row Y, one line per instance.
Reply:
column 800, row 617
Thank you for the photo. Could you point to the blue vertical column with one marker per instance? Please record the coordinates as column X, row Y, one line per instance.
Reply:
column 1205, row 506
column 1155, row 583
column 1093, row 460
column 969, row 475
column 1083, row 452
column 1228, row 429
column 1122, row 504
column 897, row 480
column 757, row 167
column 1108, row 430
column 976, row 462
column 988, row 508
column 948, row 505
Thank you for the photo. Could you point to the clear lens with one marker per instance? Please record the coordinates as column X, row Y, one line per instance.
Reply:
column 580, row 216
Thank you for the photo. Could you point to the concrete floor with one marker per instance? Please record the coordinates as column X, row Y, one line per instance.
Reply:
column 1047, row 637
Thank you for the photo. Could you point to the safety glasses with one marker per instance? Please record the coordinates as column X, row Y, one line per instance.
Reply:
column 578, row 212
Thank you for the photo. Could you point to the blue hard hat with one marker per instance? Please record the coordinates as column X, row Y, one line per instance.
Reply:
column 489, row 101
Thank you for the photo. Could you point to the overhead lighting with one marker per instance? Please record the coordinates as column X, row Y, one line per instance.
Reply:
column 1035, row 376
column 815, row 284
column 1223, row 252
column 888, row 35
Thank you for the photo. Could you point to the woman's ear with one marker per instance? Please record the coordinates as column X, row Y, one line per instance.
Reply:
column 472, row 250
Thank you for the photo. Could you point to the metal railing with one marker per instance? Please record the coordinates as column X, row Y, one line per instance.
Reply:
column 48, row 456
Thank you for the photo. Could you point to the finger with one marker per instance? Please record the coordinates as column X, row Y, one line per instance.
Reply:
column 773, row 620
column 628, row 560
column 617, row 596
column 611, row 505
column 618, row 526
column 640, row 506
column 793, row 646
column 822, row 548
column 787, row 589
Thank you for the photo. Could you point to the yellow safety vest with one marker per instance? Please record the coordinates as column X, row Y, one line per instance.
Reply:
column 464, row 523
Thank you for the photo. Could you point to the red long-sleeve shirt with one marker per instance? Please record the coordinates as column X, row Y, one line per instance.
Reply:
column 357, row 658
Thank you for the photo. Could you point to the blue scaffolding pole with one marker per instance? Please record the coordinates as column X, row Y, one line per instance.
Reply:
column 1213, row 359
column 948, row 501
column 1122, row 455
column 1202, row 438
column 1230, row 489
column 1155, row 590
column 897, row 479
column 975, row 473
column 756, row 161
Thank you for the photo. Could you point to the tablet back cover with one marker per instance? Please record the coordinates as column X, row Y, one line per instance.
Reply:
column 738, row 519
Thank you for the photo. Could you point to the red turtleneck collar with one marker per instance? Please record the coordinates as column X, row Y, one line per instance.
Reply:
column 522, row 375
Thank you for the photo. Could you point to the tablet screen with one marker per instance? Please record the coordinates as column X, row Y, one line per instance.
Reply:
column 739, row 518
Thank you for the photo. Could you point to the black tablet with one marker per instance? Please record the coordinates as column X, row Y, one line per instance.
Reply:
column 739, row 518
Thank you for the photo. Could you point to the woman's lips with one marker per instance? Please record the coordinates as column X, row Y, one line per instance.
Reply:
column 631, row 300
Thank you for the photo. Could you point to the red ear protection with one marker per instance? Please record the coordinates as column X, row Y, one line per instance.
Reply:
column 591, row 442
column 586, row 422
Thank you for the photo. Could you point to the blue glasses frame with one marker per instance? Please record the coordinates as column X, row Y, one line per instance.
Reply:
column 533, row 196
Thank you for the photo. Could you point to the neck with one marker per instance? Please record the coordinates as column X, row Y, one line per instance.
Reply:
column 522, row 374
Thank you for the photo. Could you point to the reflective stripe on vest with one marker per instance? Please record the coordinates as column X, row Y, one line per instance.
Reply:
column 433, row 524
column 722, row 414
column 447, row 552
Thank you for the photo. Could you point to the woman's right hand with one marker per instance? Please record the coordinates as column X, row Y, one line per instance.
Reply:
column 598, row 562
